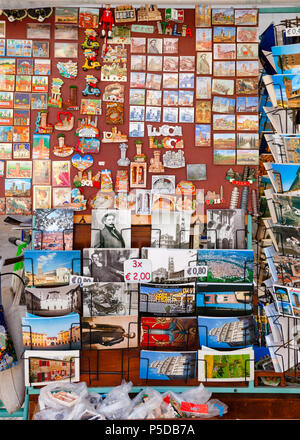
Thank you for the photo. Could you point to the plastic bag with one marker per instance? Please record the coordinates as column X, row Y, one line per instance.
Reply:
column 94, row 400
column 86, row 411
column 147, row 405
column 52, row 414
column 117, row 404
column 62, row 395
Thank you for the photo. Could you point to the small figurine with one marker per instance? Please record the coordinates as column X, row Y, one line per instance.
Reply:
column 123, row 161
column 107, row 21
column 139, row 156
column 90, row 60
column 62, row 150
column 114, row 136
column 91, row 86
column 156, row 165
column 87, row 128
column 71, row 103
column 90, row 40
column 42, row 127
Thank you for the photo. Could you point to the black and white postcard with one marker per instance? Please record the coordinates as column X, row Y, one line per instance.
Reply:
column 226, row 229
column 111, row 228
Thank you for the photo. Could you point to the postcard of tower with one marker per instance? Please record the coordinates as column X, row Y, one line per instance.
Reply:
column 111, row 228
column 104, row 332
column 226, row 229
column 229, row 366
column 107, row 265
column 170, row 229
column 227, row 265
column 52, row 229
column 44, row 268
column 109, row 299
column 55, row 301
column 287, row 58
column 176, row 332
column 51, row 333
column 168, row 365
column 170, row 264
column 224, row 299
column 286, row 88
column 226, row 332
column 285, row 178
column 167, row 299
column 44, row 367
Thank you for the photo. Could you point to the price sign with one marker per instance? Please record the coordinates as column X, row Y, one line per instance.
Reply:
column 293, row 32
column 137, row 271
column 195, row 271
column 74, row 279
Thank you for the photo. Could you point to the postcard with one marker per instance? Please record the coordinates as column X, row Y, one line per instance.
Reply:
column 19, row 48
column 52, row 229
column 202, row 15
column 186, row 115
column 7, row 66
column 41, row 197
column 40, row 49
column 287, row 300
column 154, row 63
column 41, row 172
column 203, row 39
column 46, row 267
column 21, row 117
column 222, row 16
column 153, row 97
column 226, row 332
column 247, row 35
column 231, row 366
column 18, row 169
column 247, row 86
column 138, row 45
column 138, row 62
column 171, row 63
column 170, row 80
column 137, row 79
column 153, row 81
column 88, row 17
column 17, row 187
column 203, row 87
column 39, row 83
column 286, row 209
column 226, row 229
column 166, row 332
column 224, row 51
column 186, row 98
column 21, row 151
column 66, row 15
column 6, row 116
column 170, row 45
column 38, row 101
column 61, row 197
column 152, row 365
column 65, row 32
column 247, row 122
column 42, row 368
column 283, row 269
column 51, row 333
column 247, row 140
column 40, row 146
column 247, row 104
column 223, row 122
column 286, row 58
column 227, row 265
column 202, row 135
column 247, row 17
column 18, row 205
column 153, row 114
column 111, row 228
column 109, row 299
column 8, row 356
column 7, row 83
column 170, row 229
column 104, row 332
column 6, row 99
column 24, row 67
column 224, row 68
column 65, row 50
column 224, row 140
column 38, row 31
column 187, row 63
column 291, row 146
column 170, row 98
column 224, row 34
column 287, row 239
column 247, row 157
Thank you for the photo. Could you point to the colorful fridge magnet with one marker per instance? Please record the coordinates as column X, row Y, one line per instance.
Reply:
column 87, row 128
column 90, row 60
column 114, row 53
column 85, row 178
column 65, row 121
column 106, row 22
column 106, row 181
column 114, row 72
column 138, row 175
column 156, row 165
column 149, row 13
column 78, row 201
column 122, row 181
column 82, row 163
column 185, row 187
column 68, row 69
column 114, row 136
column 91, row 107
column 41, row 125
column 114, row 93
column 90, row 41
column 15, row 14
column 91, row 86
column 62, row 150
column 114, row 113
column 123, row 161
column 139, row 156
column 39, row 14
column 55, row 100
column 88, row 145
column 124, row 14
column 71, row 103
column 102, row 201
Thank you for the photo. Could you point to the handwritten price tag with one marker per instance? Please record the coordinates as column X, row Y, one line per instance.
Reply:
column 138, row 271
column 293, row 32
column 195, row 271
column 74, row 279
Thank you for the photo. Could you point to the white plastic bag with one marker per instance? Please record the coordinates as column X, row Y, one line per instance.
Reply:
column 117, row 404
column 62, row 395
column 146, row 405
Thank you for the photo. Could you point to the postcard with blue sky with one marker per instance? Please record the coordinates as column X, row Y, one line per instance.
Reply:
column 226, row 332
column 168, row 365
column 285, row 177
column 287, row 90
column 287, row 58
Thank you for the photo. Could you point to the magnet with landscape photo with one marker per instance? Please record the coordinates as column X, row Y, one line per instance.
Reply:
column 153, row 97
column 247, row 35
column 171, row 63
column 204, row 63
column 186, row 98
column 202, row 135
column 6, row 116
column 170, row 80
column 247, row 104
column 223, row 105
column 153, row 114
column 65, row 50
column 224, row 51
column 224, row 157
column 170, row 98
column 245, row 17
column 224, row 34
column 168, row 365
column 41, row 172
column 40, row 146
column 224, row 68
column 88, row 17
column 222, row 16
column 246, row 86
column 170, row 229
column 224, row 140
column 7, row 66
column 24, row 67
column 247, row 157
column 202, row 15
column 223, row 122
column 39, row 31
column 137, row 97
column 247, row 122
column 153, row 81
column 101, row 299
column 137, row 79
column 247, row 68
column 138, row 62
column 203, row 40
column 203, row 87
column 186, row 115
column 246, row 51
column 65, row 32
column 66, row 15
column 6, row 99
column 247, row 140
column 18, row 205
column 170, row 115
column 154, row 63
column 224, row 299
column 17, row 187
column 18, row 169
column 138, row 45
column 187, row 63
column 170, row 45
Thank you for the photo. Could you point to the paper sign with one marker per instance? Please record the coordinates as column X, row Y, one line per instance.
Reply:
column 292, row 32
column 74, row 279
column 195, row 271
column 138, row 271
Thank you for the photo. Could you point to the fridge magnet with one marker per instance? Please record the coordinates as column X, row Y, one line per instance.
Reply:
column 88, row 145
column 154, row 63
column 187, row 63
column 90, row 41
column 166, row 142
column 65, row 50
column 41, row 172
column 138, row 80
column 40, row 49
column 224, row 157
column 203, row 112
column 223, row 105
column 138, row 175
column 42, row 67
column 202, row 15
column 247, row 140
column 88, row 17
column 246, row 51
column 91, row 107
column 82, row 163
column 87, row 128
column 170, row 115
column 203, row 87
column 138, row 62
column 106, row 22
column 149, row 13
column 202, row 135
column 61, row 173
column 171, row 64
column 222, row 86
column 40, row 146
column 138, row 45
column 224, row 51
column 6, row 133
column 173, row 159
column 41, row 197
column 222, row 16
column 6, row 99
column 120, row 35
column 38, row 101
column 139, row 156
column 19, row 48
column 106, row 183
column 143, row 202
column 18, row 169
column 61, row 197
column 203, row 40
column 18, row 205
column 204, row 63
column 247, row 17
column 85, row 178
column 8, row 66
column 21, row 150
column 136, row 129
column 223, row 122
column 17, row 187
column 21, row 117
column 24, row 67
column 68, row 69
column 114, row 136
column 6, row 117
column 5, row 151
column 2, row 167
column 114, row 53
column 153, row 97
column 102, row 200
column 170, row 98
column 123, row 161
column 21, row 134
column 247, row 104
column 163, row 184
column 122, row 181
column 2, row 47
column 114, row 113
column 65, row 32
column 246, row 86
column 153, row 114
column 196, row 171
column 2, row 29
column 70, row 104
column 39, row 14
column 153, row 81
column 186, row 115
column 66, row 15
column 163, row 202
column 78, row 201
column 124, row 14
column 247, row 35
column 65, row 121
column 247, row 122
column 156, row 166
column 91, row 86
column 55, row 100
column 41, row 124
column 7, row 83
column 38, row 31
column 39, row 84
column 247, row 157
column 224, row 34
column 115, row 93
column 114, row 72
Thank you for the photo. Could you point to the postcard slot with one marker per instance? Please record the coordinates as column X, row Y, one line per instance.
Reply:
column 31, row 294
column 279, row 146
column 9, row 273
column 281, row 94
column 129, row 327
column 40, row 231
column 206, row 310
column 89, row 367
column 70, row 331
column 109, row 372
column 73, row 326
column 206, row 333
column 136, row 356
column 216, row 235
column 63, row 232
column 129, row 291
column 99, row 230
column 158, row 229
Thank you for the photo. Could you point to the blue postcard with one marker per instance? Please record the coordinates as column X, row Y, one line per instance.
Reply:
column 167, row 299
column 51, row 267
column 287, row 90
column 168, row 365
column 285, row 177
column 247, row 104
column 226, row 332
column 286, row 58
column 224, row 299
